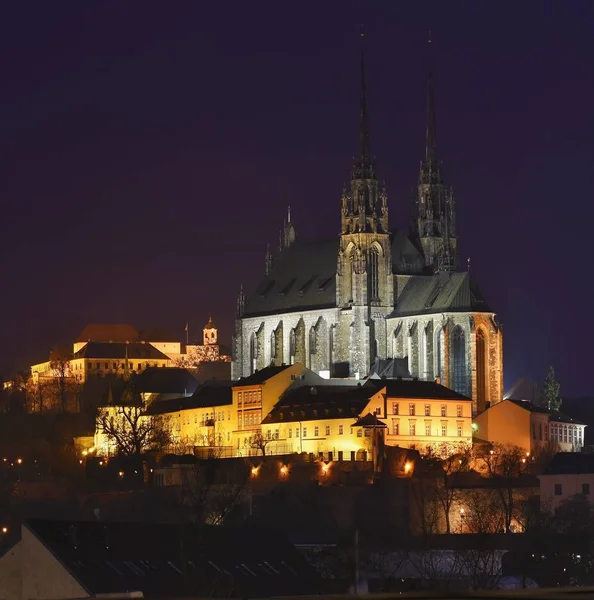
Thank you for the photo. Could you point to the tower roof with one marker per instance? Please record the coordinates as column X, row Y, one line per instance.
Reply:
column 210, row 324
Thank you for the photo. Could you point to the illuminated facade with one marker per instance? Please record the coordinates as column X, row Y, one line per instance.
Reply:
column 336, row 305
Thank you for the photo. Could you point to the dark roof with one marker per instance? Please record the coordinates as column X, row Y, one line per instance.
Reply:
column 555, row 416
column 369, row 420
column 210, row 393
column 452, row 292
column 571, row 463
column 166, row 560
column 166, row 380
column 415, row 388
column 389, row 368
column 309, row 403
column 108, row 333
column 156, row 334
column 260, row 376
column 109, row 350
column 303, row 277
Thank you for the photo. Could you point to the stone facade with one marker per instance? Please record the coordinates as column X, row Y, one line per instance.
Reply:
column 394, row 296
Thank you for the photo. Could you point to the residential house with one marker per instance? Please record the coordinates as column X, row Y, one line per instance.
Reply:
column 531, row 427
column 569, row 474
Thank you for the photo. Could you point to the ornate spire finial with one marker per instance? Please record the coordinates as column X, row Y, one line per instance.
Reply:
column 430, row 149
column 240, row 301
column 364, row 145
column 289, row 213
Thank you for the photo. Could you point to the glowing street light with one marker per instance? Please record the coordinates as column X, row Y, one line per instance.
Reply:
column 5, row 530
column 284, row 470
column 19, row 461
column 121, row 473
column 407, row 467
column 325, row 468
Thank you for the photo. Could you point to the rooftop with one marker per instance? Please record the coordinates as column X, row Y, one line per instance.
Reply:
column 166, row 380
column 416, row 388
column 120, row 350
column 555, row 415
column 571, row 463
column 210, row 393
column 108, row 333
column 169, row 560
column 260, row 376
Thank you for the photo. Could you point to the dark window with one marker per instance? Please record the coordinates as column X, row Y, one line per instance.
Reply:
column 374, row 274
column 586, row 489
column 459, row 369
column 481, row 369
column 558, row 489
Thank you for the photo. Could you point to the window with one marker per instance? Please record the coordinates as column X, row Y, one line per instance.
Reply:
column 427, row 410
column 458, row 364
column 340, row 429
column 586, row 489
column 395, row 427
column 459, row 430
column 195, row 418
column 107, row 365
column 412, row 429
column 239, row 397
column 374, row 274
column 296, row 431
column 316, row 431
column 427, row 428
column 327, row 429
column 290, row 432
column 444, row 429
column 305, row 432
column 558, row 489
column 481, row 369
column 459, row 410
column 367, row 432
column 443, row 410
column 394, row 408
column 411, row 409
column 359, row 432
column 239, row 420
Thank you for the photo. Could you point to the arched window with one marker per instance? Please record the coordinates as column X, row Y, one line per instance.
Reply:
column 312, row 347
column 292, row 347
column 459, row 374
column 331, row 350
column 481, row 369
column 409, row 352
column 253, row 352
column 424, row 365
column 439, row 358
column 273, row 346
column 373, row 274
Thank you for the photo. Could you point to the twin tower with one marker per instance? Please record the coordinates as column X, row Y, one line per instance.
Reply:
column 365, row 210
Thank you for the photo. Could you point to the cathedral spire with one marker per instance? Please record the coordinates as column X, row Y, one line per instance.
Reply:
column 364, row 143
column 430, row 147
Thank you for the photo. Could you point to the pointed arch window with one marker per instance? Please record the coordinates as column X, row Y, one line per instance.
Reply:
column 273, row 345
column 481, row 369
column 253, row 352
column 439, row 355
column 424, row 353
column 459, row 365
column 373, row 274
column 292, row 344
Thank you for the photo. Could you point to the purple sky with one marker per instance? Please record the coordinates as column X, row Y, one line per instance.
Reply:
column 149, row 151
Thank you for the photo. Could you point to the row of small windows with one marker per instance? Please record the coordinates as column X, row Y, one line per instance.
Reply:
column 559, row 489
column 316, row 431
column 567, row 434
column 412, row 429
column 250, row 397
column 115, row 366
column 412, row 409
column 251, row 418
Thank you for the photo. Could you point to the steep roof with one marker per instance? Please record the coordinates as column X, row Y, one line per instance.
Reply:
column 110, row 350
column 415, row 388
column 209, row 394
column 303, row 277
column 309, row 403
column 166, row 560
column 261, row 376
column 108, row 333
column 571, row 463
column 451, row 292
column 166, row 380
column 389, row 368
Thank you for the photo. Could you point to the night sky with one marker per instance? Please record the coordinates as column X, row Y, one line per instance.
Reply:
column 149, row 151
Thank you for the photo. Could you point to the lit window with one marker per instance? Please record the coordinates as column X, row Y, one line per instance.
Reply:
column 427, row 410
column 427, row 428
column 395, row 408
column 305, row 432
column 316, row 431
column 290, row 433
column 327, row 429
column 412, row 429
column 444, row 429
column 340, row 429
column 459, row 410
column 359, row 433
column 367, row 432
column 558, row 489
column 586, row 489
column 459, row 430
column 443, row 410
column 411, row 409
column 395, row 427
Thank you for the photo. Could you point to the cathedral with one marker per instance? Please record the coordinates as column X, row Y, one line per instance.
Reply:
column 344, row 304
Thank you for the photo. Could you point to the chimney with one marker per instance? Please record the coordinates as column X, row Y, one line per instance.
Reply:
column 438, row 380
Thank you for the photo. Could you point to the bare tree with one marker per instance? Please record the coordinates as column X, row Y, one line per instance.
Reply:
column 259, row 441
column 213, row 488
column 504, row 464
column 130, row 429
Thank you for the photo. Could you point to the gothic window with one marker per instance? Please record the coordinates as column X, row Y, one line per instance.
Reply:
column 312, row 341
column 481, row 369
column 424, row 365
column 458, row 365
column 409, row 352
column 253, row 352
column 373, row 274
column 292, row 347
column 273, row 346
column 331, row 350
column 439, row 362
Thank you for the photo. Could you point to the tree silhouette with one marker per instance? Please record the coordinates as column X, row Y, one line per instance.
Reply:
column 551, row 390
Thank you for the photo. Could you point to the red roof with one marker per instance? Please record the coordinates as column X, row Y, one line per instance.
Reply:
column 108, row 333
